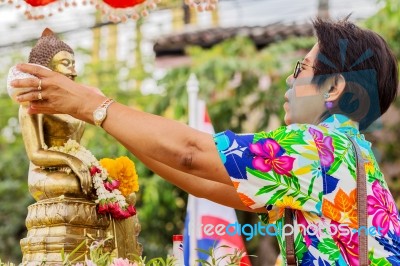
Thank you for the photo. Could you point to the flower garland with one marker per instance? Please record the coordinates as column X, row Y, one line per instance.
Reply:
column 114, row 180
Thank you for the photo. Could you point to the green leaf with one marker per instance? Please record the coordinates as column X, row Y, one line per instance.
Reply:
column 284, row 138
column 310, row 188
column 328, row 247
column 267, row 189
column 336, row 164
column 302, row 200
column 378, row 261
column 278, row 195
column 300, row 247
column 266, row 176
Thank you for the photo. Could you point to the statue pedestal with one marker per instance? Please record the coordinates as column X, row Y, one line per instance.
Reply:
column 60, row 223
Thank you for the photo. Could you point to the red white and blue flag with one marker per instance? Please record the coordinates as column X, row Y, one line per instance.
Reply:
column 202, row 213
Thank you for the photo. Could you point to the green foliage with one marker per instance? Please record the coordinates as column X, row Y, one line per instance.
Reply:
column 231, row 76
column 229, row 259
column 13, row 173
column 386, row 22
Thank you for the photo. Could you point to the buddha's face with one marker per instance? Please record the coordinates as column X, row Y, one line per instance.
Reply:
column 64, row 62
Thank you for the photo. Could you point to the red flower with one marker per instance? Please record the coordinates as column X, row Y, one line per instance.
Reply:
column 94, row 170
column 103, row 208
column 131, row 209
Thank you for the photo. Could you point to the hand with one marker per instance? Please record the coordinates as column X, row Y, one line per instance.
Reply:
column 82, row 172
column 60, row 95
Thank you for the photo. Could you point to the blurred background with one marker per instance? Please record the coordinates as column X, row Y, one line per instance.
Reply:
column 241, row 54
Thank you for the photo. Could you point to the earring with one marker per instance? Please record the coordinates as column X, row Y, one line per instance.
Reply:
column 326, row 95
column 328, row 104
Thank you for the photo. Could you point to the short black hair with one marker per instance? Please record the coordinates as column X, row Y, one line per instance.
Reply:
column 365, row 60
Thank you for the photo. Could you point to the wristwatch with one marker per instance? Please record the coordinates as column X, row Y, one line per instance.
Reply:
column 100, row 114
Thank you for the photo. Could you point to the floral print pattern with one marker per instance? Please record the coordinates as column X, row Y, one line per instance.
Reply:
column 383, row 208
column 269, row 155
column 312, row 170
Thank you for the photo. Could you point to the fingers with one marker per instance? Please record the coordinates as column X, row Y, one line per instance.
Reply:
column 33, row 83
column 39, row 108
column 36, row 70
column 35, row 95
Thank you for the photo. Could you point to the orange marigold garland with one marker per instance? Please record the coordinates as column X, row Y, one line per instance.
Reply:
column 123, row 171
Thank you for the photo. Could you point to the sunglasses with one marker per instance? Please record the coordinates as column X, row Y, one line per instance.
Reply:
column 297, row 68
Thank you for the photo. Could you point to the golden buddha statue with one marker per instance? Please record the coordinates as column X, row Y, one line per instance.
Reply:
column 65, row 214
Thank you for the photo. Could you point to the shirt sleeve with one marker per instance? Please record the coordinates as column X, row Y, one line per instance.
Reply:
column 279, row 169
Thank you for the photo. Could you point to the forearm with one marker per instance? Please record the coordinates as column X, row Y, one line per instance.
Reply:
column 167, row 141
column 202, row 188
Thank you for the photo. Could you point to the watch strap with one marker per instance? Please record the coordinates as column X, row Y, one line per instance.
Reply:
column 103, row 106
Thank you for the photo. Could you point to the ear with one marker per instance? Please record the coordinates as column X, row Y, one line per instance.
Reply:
column 337, row 87
column 47, row 32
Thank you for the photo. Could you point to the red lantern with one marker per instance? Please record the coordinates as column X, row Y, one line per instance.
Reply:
column 39, row 2
column 123, row 3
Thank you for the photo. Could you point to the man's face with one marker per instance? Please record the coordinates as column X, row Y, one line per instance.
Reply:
column 64, row 62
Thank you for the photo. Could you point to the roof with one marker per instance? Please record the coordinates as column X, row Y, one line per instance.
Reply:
column 262, row 36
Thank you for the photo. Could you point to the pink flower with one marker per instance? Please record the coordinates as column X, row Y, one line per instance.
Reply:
column 324, row 147
column 131, row 209
column 113, row 207
column 121, row 214
column 102, row 208
column 269, row 155
column 303, row 221
column 110, row 186
column 383, row 208
column 90, row 263
column 122, row 262
column 348, row 245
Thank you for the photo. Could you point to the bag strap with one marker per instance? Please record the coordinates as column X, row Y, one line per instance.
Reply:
column 291, row 259
column 362, row 216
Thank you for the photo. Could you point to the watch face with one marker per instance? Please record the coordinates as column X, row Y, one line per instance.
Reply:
column 100, row 114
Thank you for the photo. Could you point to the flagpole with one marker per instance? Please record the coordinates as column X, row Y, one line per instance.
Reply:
column 193, row 90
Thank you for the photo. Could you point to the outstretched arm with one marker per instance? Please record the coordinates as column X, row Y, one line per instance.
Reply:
column 169, row 142
column 166, row 141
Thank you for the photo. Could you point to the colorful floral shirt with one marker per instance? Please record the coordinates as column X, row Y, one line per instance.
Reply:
column 312, row 170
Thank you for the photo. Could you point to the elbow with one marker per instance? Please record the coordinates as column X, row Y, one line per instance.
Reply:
column 187, row 157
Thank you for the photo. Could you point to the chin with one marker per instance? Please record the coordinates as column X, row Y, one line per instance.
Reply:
column 287, row 120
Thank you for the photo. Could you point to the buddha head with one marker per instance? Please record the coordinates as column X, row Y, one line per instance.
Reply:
column 53, row 53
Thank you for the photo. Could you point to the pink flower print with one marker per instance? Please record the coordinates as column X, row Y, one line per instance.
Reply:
column 383, row 208
column 268, row 155
column 324, row 147
column 347, row 243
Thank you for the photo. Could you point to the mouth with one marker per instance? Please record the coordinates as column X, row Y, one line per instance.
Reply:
column 286, row 106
